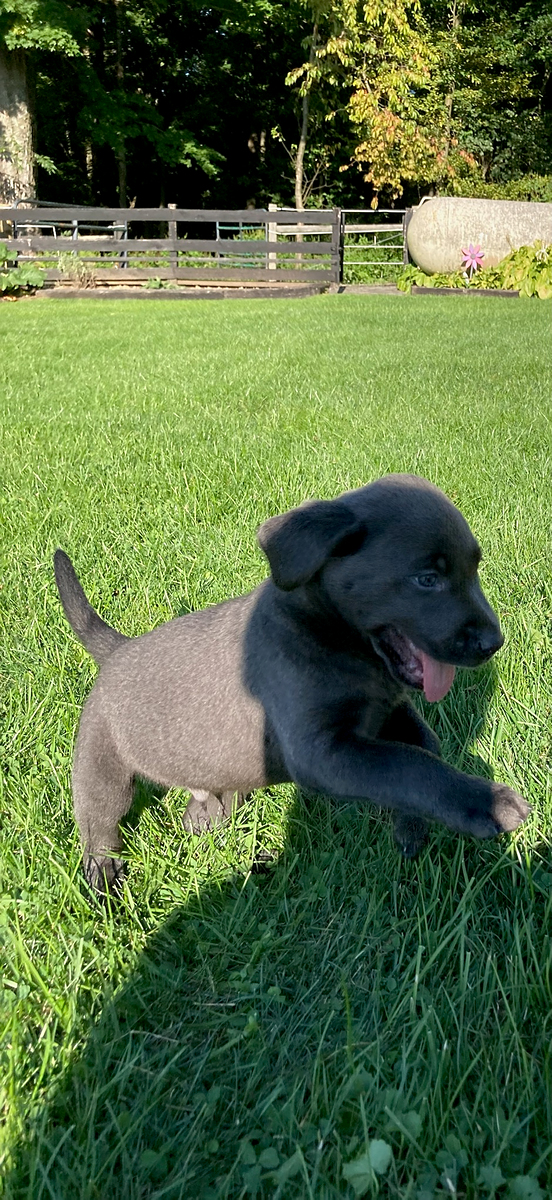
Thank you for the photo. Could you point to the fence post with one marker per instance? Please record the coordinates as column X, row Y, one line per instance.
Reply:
column 272, row 236
column 123, row 257
column 173, row 254
column 337, row 246
column 406, row 222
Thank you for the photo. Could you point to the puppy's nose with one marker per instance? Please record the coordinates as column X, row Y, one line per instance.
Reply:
column 488, row 641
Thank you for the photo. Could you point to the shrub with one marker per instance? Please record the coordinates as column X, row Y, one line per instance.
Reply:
column 74, row 270
column 18, row 280
column 529, row 187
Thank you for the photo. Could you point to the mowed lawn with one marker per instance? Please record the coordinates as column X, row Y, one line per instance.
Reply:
column 227, row 1031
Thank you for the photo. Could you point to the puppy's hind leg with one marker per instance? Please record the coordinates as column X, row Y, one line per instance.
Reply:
column 102, row 793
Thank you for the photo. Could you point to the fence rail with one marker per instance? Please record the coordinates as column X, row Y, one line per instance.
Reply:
column 256, row 245
column 188, row 216
column 175, row 245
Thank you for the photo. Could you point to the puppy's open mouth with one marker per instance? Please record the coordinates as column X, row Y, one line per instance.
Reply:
column 413, row 666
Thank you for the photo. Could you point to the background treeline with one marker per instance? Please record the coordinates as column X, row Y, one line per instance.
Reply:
column 294, row 101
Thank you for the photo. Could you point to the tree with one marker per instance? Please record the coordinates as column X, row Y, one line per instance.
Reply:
column 376, row 55
column 26, row 25
column 105, row 110
column 497, row 63
column 437, row 94
column 184, row 100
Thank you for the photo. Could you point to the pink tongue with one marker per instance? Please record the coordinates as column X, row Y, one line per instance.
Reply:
column 438, row 677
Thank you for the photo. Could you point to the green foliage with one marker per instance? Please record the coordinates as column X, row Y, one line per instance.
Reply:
column 445, row 93
column 361, row 1172
column 119, row 116
column 491, row 1178
column 176, row 101
column 364, row 262
column 74, row 269
column 525, row 1187
column 156, row 284
column 47, row 164
column 50, row 25
column 18, row 280
column 7, row 255
column 527, row 271
column 380, row 58
column 528, row 187
column 494, row 62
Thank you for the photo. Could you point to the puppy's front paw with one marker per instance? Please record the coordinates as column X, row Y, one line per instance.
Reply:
column 501, row 812
column 410, row 834
column 203, row 813
column 104, row 875
column 508, row 808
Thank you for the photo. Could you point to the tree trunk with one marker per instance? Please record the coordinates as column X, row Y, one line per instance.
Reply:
column 300, row 156
column 301, row 153
column 120, row 155
column 120, row 152
column 17, row 176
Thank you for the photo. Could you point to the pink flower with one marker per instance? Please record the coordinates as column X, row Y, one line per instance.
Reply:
column 472, row 258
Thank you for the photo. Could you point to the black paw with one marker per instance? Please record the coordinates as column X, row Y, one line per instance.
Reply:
column 502, row 812
column 508, row 809
column 410, row 834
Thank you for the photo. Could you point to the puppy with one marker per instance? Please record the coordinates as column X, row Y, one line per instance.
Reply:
column 305, row 679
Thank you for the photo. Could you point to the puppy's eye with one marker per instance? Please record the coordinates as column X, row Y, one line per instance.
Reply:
column 429, row 579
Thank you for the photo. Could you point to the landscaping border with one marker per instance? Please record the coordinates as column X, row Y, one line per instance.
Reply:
column 297, row 292
column 504, row 293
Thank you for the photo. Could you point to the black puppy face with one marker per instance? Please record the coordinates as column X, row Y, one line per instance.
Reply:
column 403, row 573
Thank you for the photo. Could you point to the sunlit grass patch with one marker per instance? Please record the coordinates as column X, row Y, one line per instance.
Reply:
column 227, row 1033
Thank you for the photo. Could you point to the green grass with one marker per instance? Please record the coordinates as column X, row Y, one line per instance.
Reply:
column 224, row 1033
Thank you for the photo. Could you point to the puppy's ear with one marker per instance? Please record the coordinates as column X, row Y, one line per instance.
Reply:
column 298, row 543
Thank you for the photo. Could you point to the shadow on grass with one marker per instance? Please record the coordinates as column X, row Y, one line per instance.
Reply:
column 266, row 1017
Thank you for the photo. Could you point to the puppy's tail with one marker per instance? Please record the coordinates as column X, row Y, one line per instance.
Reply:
column 98, row 638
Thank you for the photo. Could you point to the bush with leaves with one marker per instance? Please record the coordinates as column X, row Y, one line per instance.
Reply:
column 18, row 280
column 533, row 188
column 527, row 271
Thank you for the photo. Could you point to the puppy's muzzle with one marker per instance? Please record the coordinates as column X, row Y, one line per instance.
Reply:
column 477, row 644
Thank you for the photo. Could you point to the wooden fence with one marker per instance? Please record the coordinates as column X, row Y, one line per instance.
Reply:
column 239, row 245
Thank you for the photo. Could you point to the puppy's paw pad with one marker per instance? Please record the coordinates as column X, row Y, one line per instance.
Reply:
column 509, row 810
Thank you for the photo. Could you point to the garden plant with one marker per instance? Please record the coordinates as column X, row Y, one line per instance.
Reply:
column 18, row 281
